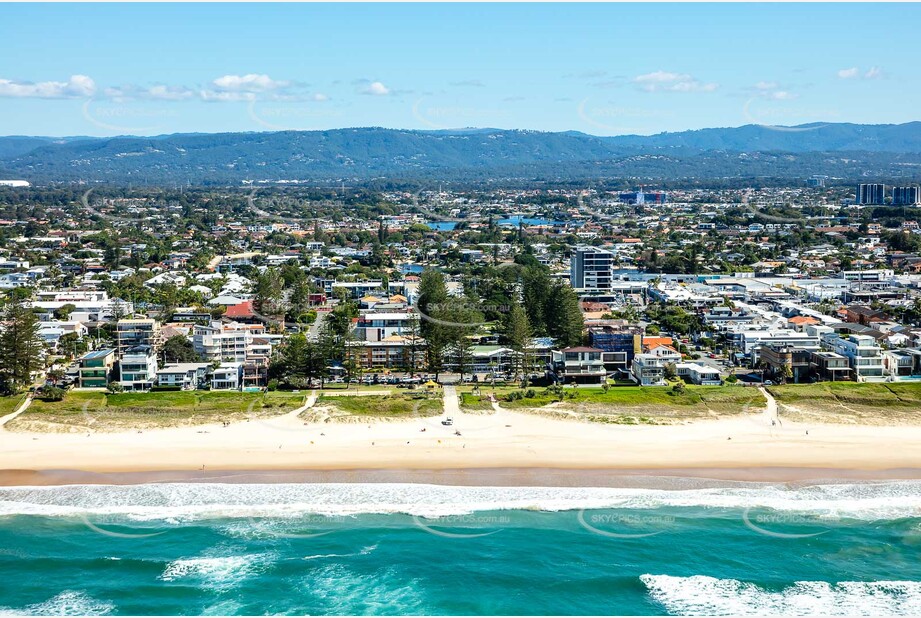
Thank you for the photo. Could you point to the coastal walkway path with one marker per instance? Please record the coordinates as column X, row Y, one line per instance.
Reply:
column 770, row 411
column 22, row 408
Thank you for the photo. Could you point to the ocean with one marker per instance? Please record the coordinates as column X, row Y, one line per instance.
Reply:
column 686, row 547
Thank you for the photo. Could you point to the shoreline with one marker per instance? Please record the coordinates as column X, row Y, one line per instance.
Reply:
column 502, row 448
column 646, row 478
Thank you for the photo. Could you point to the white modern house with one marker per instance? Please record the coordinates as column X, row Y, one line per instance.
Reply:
column 582, row 365
column 863, row 354
column 227, row 377
column 185, row 376
column 648, row 370
column 698, row 374
column 138, row 368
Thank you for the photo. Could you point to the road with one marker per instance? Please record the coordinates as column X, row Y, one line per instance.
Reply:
column 313, row 331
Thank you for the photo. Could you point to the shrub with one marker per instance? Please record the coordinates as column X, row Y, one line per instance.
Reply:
column 51, row 393
column 115, row 387
column 272, row 385
column 530, row 394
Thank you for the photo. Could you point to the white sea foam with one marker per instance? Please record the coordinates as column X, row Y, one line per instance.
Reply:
column 67, row 603
column 182, row 502
column 342, row 592
column 216, row 573
column 363, row 552
column 700, row 595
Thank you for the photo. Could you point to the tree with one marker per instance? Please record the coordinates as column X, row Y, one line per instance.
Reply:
column 20, row 347
column 52, row 393
column 178, row 349
column 268, row 291
column 432, row 303
column 535, row 291
column 517, row 331
column 564, row 316
column 459, row 323
column 669, row 371
column 413, row 346
column 56, row 375
column 786, row 373
column 63, row 312
column 299, row 301
column 72, row 343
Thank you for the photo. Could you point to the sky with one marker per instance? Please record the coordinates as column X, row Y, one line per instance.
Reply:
column 604, row 69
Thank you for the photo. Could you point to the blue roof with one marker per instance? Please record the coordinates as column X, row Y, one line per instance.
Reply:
column 98, row 354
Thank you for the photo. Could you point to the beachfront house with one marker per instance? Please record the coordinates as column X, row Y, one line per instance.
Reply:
column 648, row 370
column 227, row 377
column 864, row 355
column 138, row 368
column 580, row 365
column 184, row 376
column 695, row 373
column 96, row 368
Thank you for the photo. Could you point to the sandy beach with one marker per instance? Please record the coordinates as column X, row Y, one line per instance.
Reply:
column 502, row 440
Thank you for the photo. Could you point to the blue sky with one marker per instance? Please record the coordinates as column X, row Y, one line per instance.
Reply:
column 605, row 69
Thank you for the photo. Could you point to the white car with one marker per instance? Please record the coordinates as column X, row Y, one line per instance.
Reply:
column 448, row 421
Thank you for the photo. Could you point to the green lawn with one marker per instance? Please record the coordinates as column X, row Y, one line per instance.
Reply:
column 112, row 412
column 631, row 404
column 469, row 401
column 399, row 405
column 9, row 404
column 336, row 386
column 850, row 402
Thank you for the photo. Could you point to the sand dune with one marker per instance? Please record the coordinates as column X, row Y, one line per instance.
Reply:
column 502, row 439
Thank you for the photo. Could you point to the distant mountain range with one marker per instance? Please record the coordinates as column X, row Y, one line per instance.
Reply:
column 772, row 154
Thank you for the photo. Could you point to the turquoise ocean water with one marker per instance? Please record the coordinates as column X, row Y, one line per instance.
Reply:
column 195, row 548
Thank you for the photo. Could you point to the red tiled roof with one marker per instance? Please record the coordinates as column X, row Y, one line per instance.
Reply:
column 241, row 310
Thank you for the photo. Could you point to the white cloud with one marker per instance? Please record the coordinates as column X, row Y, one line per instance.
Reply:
column 857, row 73
column 319, row 97
column 376, row 89
column 170, row 93
column 218, row 96
column 75, row 87
column 251, row 82
column 781, row 95
column 771, row 91
column 850, row 73
column 672, row 82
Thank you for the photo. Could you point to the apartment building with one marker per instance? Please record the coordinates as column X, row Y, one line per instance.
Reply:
column 375, row 327
column 618, row 344
column 780, row 361
column 591, row 268
column 230, row 341
column 136, row 332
